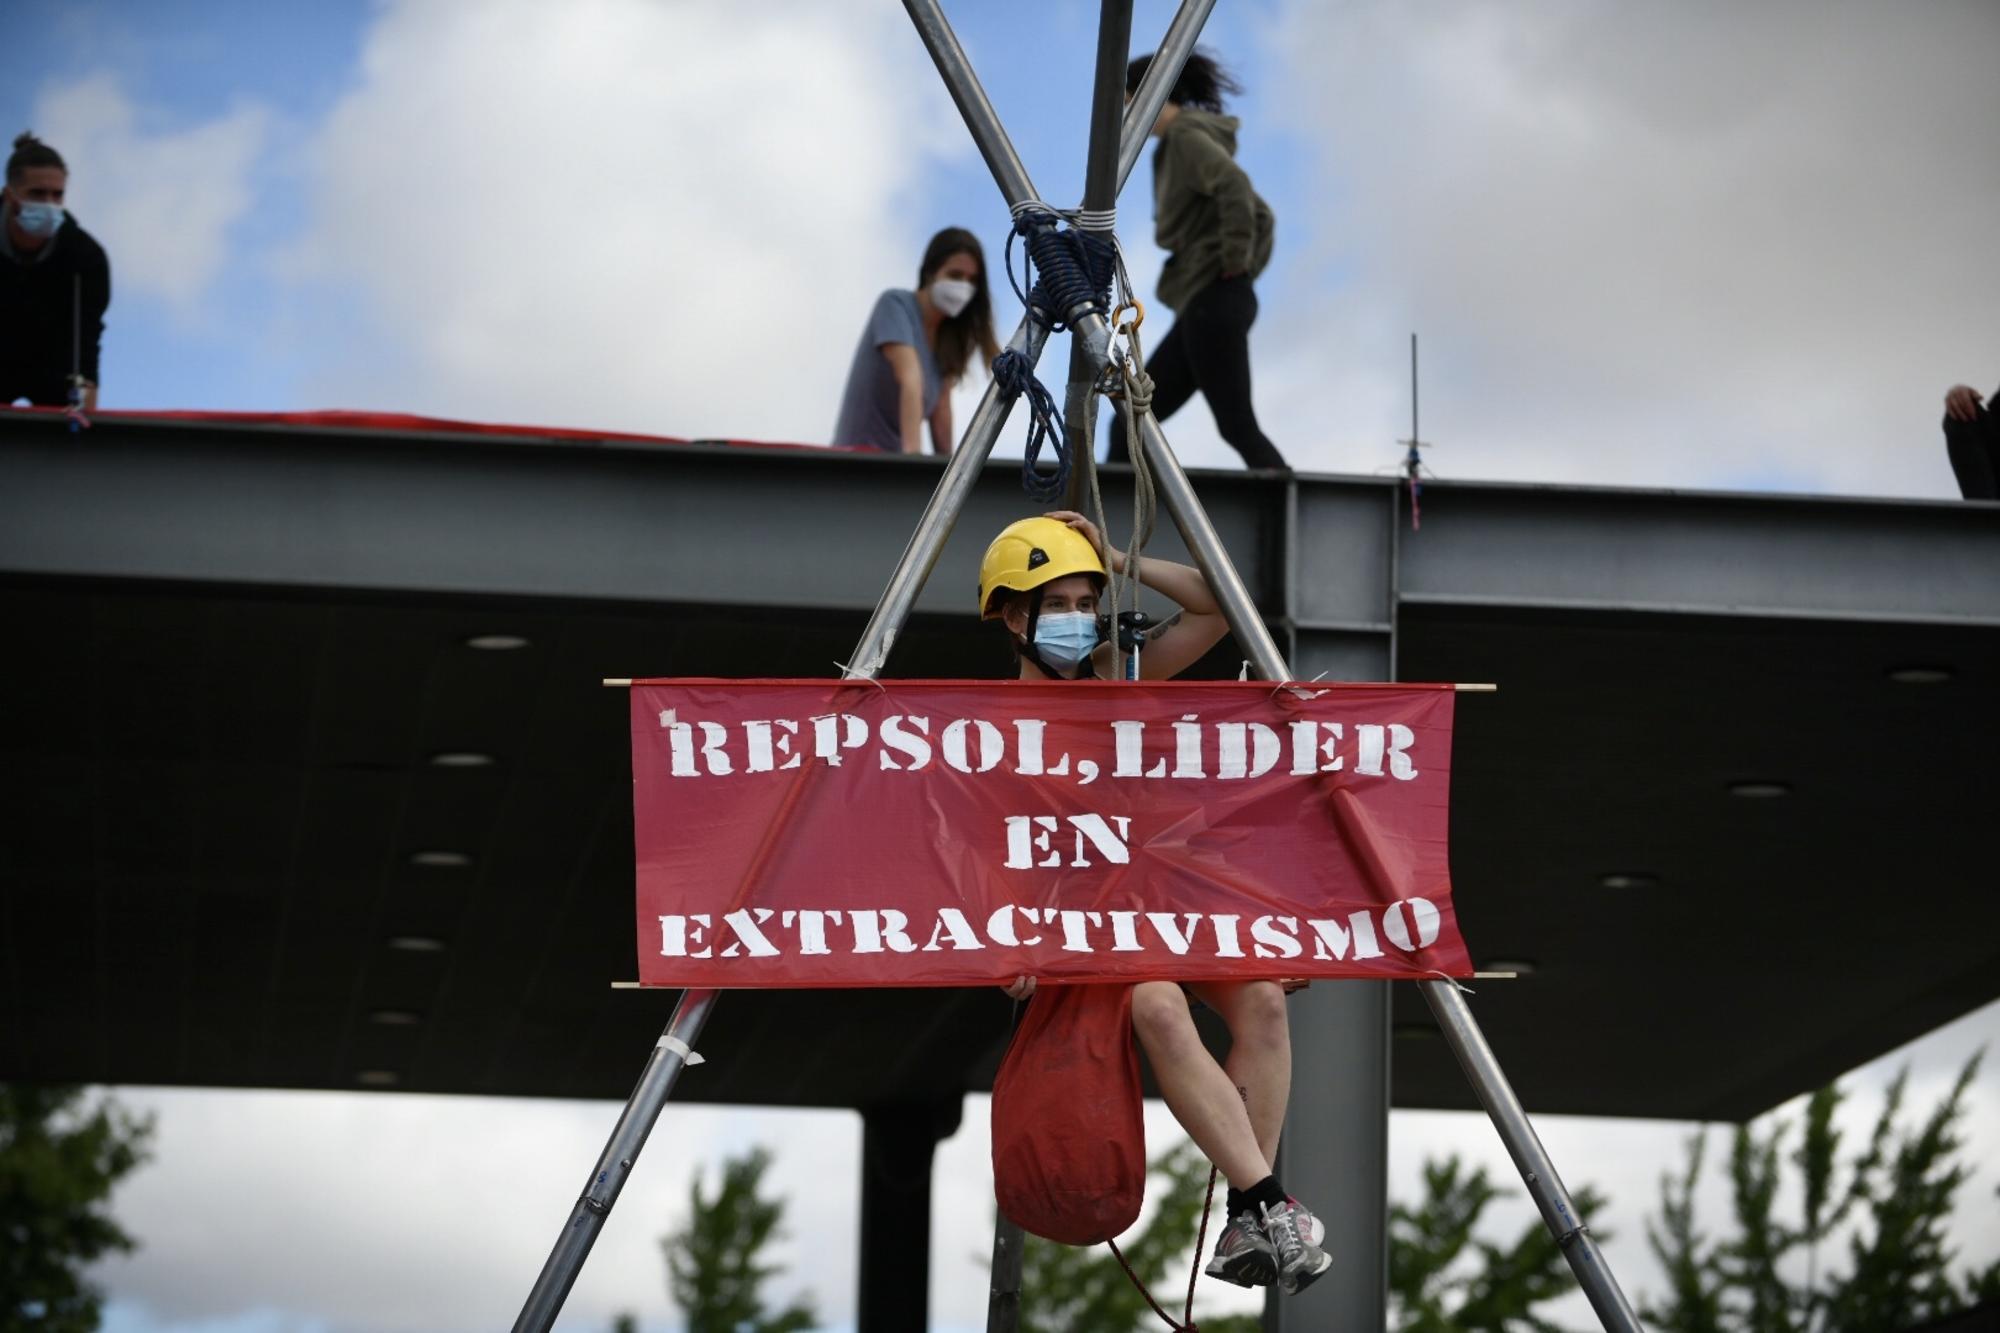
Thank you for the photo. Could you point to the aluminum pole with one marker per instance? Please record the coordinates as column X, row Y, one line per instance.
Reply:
column 1100, row 200
column 1503, row 1107
column 973, row 104
column 607, row 1178
column 1177, row 493
column 1161, row 76
column 656, row 1083
column 1003, row 1292
column 1559, row 1213
column 933, row 528
column 1101, row 177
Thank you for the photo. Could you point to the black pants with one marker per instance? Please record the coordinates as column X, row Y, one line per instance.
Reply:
column 1208, row 349
column 1974, row 447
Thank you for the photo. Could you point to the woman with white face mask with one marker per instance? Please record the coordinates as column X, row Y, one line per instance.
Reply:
column 915, row 349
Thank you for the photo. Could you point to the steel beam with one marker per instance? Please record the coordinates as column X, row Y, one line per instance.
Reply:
column 1757, row 555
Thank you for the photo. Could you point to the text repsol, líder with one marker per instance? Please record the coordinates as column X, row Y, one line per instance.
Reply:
column 905, row 744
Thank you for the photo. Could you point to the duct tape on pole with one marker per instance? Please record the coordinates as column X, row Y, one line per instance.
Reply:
column 607, row 1179
column 1537, row 1169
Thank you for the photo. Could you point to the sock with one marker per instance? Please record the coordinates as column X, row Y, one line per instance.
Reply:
column 1234, row 1206
column 1266, row 1193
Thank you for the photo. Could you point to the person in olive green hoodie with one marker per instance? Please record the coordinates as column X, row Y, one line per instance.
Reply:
column 1217, row 233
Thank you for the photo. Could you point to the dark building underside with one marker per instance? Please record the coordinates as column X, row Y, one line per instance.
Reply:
column 236, row 654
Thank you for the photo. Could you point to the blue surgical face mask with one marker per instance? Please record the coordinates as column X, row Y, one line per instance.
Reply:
column 42, row 220
column 1065, row 638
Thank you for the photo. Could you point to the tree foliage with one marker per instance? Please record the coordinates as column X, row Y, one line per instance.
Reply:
column 715, row 1267
column 1893, row 1201
column 1065, row 1289
column 1444, row 1279
column 59, row 1161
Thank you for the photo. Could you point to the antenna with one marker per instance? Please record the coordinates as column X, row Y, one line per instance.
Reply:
column 1413, row 461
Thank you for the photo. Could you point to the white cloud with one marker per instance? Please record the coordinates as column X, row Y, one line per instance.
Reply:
column 1689, row 244
column 161, row 201
column 621, row 214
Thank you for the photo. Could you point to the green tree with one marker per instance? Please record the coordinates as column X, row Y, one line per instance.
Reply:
column 1893, row 1200
column 715, row 1271
column 1444, row 1279
column 1067, row 1289
column 60, row 1158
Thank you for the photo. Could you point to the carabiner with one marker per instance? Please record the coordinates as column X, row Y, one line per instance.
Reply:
column 1138, row 309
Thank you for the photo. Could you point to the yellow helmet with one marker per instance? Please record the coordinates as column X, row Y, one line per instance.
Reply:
column 1030, row 553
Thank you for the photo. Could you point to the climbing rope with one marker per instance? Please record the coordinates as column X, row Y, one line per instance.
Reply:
column 1076, row 268
column 1016, row 378
column 1136, row 388
column 1186, row 1324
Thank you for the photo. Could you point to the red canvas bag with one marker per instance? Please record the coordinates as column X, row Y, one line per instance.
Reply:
column 1069, row 1139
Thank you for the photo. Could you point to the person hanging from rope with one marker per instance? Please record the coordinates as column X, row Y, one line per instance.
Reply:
column 916, row 348
column 1043, row 578
column 1217, row 233
column 55, row 283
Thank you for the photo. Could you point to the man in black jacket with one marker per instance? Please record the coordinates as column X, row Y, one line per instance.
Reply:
column 54, row 285
column 1972, row 438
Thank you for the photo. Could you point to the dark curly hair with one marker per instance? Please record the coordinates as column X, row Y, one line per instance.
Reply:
column 1202, row 84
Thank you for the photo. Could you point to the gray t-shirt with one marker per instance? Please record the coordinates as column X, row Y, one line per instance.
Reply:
column 871, row 408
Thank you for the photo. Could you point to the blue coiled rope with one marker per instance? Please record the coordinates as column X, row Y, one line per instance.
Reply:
column 1076, row 268
column 1015, row 376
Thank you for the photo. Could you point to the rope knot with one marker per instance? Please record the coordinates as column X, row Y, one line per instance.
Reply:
column 1138, row 392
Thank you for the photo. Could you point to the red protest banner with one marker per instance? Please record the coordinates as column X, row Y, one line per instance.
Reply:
column 808, row 833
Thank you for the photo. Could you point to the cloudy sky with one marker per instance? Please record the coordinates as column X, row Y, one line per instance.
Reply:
column 1697, row 245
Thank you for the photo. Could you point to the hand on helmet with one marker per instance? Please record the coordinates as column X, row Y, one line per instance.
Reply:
column 1113, row 558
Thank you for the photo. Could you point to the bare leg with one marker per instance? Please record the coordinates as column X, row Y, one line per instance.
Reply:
column 1199, row 1094
column 1260, row 1051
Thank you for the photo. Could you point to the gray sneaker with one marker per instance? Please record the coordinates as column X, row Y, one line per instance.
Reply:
column 1311, row 1230
column 1242, row 1255
column 1299, row 1261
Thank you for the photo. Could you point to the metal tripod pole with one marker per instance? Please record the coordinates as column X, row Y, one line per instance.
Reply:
column 614, row 1166
column 1447, row 1003
column 927, row 542
column 1087, row 360
column 656, row 1084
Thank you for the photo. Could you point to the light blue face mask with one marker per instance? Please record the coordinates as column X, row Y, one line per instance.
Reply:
column 42, row 220
column 1065, row 638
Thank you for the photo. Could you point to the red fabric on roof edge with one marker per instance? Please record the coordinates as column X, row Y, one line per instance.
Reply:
column 339, row 419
